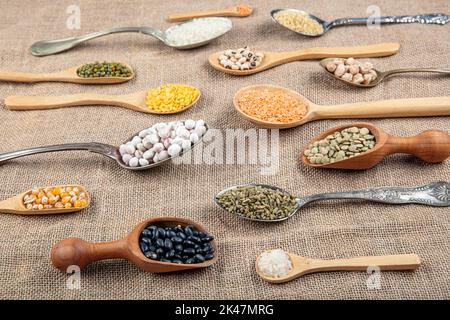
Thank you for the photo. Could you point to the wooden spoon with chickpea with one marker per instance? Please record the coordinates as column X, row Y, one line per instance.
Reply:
column 272, row 59
column 67, row 75
column 48, row 200
column 136, row 101
column 256, row 110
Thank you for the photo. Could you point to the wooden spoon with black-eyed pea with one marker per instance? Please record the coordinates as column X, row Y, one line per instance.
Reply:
column 75, row 251
column 432, row 146
column 18, row 204
column 66, row 75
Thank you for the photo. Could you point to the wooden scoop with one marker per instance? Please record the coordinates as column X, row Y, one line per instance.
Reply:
column 15, row 205
column 414, row 107
column 223, row 12
column 67, row 75
column 430, row 146
column 272, row 59
column 303, row 265
column 133, row 101
column 74, row 251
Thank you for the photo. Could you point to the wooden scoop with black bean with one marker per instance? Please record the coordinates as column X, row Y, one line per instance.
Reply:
column 164, row 244
column 362, row 145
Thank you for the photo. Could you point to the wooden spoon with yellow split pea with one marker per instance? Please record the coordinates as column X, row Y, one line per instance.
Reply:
column 67, row 75
column 414, row 107
column 133, row 101
column 272, row 59
column 16, row 205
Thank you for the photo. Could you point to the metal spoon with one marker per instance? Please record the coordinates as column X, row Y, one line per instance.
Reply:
column 381, row 75
column 96, row 147
column 433, row 194
column 432, row 18
column 47, row 47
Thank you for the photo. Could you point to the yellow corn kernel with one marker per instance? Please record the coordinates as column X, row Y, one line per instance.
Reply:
column 68, row 205
column 56, row 191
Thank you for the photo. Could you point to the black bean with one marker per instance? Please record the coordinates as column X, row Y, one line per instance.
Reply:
column 207, row 239
column 162, row 233
column 168, row 244
column 160, row 243
column 188, row 243
column 185, row 257
column 147, row 233
column 190, row 261
column 147, row 240
column 209, row 256
column 199, row 250
column 179, row 248
column 170, row 254
column 159, row 252
column 171, row 234
column 177, row 240
column 178, row 229
column 166, row 260
column 181, row 235
column 155, row 234
column 199, row 258
column 151, row 255
column 177, row 256
column 189, row 251
column 194, row 239
column 194, row 233
column 152, row 248
column 151, row 228
column 177, row 261
column 188, row 230
column 144, row 246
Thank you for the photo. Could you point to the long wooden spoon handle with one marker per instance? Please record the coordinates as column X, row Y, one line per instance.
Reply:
column 390, row 262
column 375, row 50
column 24, row 77
column 415, row 107
column 53, row 102
column 225, row 12
column 77, row 252
column 431, row 145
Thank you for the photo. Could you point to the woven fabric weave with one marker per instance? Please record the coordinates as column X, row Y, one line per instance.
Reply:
column 122, row 198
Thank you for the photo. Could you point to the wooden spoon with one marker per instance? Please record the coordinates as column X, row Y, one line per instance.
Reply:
column 430, row 146
column 302, row 265
column 67, row 75
column 272, row 59
column 413, row 107
column 133, row 101
column 74, row 251
column 223, row 12
column 15, row 204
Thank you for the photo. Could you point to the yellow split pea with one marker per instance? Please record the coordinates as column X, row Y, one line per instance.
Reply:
column 171, row 97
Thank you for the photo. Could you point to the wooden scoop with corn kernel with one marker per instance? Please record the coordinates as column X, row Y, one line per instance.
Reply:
column 48, row 200
column 134, row 101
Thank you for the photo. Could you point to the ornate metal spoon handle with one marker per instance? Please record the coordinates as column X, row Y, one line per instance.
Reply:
column 46, row 47
column 434, row 18
column 101, row 148
column 433, row 194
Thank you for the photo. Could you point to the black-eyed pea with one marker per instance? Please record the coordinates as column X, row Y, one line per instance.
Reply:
column 331, row 67
column 340, row 70
column 350, row 61
column 347, row 77
column 353, row 69
column 367, row 78
column 373, row 73
column 358, row 78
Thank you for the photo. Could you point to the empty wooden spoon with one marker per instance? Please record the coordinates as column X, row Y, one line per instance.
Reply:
column 414, row 107
column 302, row 265
column 67, row 75
column 381, row 75
column 74, row 251
column 272, row 59
column 133, row 101
column 15, row 205
column 430, row 146
column 241, row 10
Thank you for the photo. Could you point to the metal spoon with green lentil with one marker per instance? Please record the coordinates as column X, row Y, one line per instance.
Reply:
column 258, row 202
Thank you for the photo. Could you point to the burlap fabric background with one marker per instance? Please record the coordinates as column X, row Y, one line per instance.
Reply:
column 121, row 199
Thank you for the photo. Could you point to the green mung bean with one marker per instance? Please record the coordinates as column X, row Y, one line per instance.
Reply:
column 104, row 69
column 258, row 202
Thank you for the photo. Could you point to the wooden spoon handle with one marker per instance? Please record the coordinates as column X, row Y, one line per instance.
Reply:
column 53, row 102
column 74, row 251
column 26, row 77
column 375, row 50
column 415, row 107
column 390, row 262
column 225, row 12
column 430, row 146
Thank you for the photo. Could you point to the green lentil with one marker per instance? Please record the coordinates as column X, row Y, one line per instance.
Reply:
column 258, row 202
column 104, row 69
